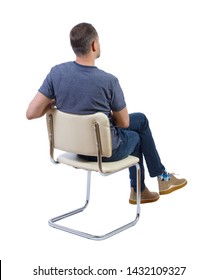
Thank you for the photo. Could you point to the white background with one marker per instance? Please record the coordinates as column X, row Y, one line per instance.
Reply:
column 164, row 54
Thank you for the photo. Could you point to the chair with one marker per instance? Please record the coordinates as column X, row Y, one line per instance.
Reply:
column 86, row 135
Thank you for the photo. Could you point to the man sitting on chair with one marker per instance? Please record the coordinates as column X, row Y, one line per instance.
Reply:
column 79, row 87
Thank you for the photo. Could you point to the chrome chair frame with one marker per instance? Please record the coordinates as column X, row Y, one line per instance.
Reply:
column 53, row 221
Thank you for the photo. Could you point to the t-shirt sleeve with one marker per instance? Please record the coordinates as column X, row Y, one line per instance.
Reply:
column 118, row 101
column 47, row 88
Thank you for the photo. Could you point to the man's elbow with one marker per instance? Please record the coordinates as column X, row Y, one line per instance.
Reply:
column 124, row 124
column 30, row 115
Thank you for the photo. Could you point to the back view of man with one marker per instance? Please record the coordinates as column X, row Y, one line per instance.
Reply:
column 79, row 87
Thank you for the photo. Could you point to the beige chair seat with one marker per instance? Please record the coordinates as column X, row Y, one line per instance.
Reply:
column 107, row 167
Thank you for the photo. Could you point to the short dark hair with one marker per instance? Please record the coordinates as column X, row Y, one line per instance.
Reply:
column 82, row 36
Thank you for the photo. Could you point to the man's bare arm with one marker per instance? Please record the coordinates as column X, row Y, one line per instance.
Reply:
column 121, row 118
column 39, row 105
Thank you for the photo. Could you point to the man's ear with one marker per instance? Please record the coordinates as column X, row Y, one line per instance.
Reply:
column 94, row 46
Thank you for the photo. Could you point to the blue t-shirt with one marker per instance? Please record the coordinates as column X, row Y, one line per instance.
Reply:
column 83, row 90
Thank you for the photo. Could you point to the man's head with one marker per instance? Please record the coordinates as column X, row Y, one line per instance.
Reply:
column 83, row 39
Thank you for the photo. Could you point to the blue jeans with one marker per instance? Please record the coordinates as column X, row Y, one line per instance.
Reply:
column 137, row 141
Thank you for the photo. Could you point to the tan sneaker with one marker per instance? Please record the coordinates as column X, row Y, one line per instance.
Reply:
column 173, row 184
column 146, row 196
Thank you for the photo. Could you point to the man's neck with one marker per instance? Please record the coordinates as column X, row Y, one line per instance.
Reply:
column 86, row 61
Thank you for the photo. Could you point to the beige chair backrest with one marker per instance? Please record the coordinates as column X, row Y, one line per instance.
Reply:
column 77, row 133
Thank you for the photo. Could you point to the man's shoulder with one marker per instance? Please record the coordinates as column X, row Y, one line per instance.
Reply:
column 63, row 65
column 107, row 74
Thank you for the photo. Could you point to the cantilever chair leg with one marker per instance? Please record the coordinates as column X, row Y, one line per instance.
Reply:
column 52, row 222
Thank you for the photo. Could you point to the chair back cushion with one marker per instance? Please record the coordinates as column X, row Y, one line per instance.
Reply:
column 76, row 133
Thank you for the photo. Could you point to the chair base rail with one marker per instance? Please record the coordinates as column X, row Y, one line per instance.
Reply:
column 88, row 235
column 52, row 222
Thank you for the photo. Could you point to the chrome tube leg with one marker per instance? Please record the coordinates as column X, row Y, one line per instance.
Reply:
column 138, row 189
column 53, row 220
column 88, row 187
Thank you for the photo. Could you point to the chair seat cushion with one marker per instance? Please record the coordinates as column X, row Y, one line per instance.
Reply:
column 108, row 167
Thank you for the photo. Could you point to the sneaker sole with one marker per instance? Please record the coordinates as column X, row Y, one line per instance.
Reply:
column 144, row 200
column 173, row 188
